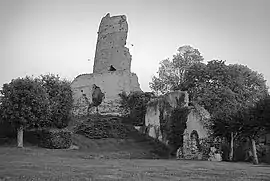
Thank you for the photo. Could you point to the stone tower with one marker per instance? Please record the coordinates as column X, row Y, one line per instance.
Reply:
column 111, row 72
column 111, row 52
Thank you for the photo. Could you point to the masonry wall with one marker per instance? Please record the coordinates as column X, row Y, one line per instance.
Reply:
column 194, row 123
column 152, row 119
column 110, row 48
column 110, row 83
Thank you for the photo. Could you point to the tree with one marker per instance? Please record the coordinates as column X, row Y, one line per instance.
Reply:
column 171, row 73
column 255, row 121
column 225, row 91
column 60, row 99
column 25, row 103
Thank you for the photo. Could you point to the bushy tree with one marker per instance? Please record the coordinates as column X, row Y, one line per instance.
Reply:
column 25, row 103
column 171, row 73
column 60, row 99
column 254, row 122
column 225, row 91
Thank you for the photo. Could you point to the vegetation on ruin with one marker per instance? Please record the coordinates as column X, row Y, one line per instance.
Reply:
column 225, row 91
column 134, row 106
column 176, row 125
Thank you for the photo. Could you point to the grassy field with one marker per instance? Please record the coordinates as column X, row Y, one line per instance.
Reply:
column 33, row 163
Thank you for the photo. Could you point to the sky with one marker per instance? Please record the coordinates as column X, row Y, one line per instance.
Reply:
column 59, row 36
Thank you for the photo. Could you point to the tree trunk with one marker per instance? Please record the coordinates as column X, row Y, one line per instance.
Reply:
column 231, row 152
column 20, row 137
column 254, row 152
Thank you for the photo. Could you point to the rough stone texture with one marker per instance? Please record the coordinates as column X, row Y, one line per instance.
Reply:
column 111, row 70
column 195, row 122
column 111, row 84
column 110, row 48
column 152, row 116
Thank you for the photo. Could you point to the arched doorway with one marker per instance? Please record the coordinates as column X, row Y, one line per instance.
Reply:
column 194, row 141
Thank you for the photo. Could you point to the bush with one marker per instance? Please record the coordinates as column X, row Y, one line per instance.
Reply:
column 25, row 103
column 98, row 127
column 55, row 138
column 60, row 99
column 135, row 105
column 204, row 147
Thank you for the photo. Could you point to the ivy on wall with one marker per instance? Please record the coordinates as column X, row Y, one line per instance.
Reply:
column 135, row 105
column 176, row 126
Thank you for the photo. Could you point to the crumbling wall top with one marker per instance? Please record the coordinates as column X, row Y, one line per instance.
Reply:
column 111, row 52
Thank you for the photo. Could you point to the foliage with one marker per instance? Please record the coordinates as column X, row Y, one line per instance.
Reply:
column 55, row 138
column 205, row 145
column 171, row 73
column 135, row 105
column 176, row 126
column 98, row 127
column 255, row 120
column 225, row 91
column 97, row 97
column 60, row 98
column 25, row 103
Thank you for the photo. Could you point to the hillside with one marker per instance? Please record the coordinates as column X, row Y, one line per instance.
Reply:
column 114, row 138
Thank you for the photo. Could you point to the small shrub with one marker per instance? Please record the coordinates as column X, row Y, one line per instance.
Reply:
column 55, row 138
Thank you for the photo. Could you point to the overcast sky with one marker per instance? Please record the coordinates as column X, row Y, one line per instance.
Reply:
column 59, row 36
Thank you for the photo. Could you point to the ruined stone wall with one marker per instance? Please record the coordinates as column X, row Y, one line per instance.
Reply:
column 111, row 70
column 194, row 123
column 110, row 48
column 111, row 84
column 152, row 117
column 152, row 121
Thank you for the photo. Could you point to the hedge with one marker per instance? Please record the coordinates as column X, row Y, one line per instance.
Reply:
column 55, row 138
column 102, row 127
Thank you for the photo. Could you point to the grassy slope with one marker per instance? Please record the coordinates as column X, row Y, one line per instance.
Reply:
column 135, row 145
column 42, row 164
column 101, row 160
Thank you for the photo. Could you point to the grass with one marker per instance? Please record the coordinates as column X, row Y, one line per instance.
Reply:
column 114, row 159
column 33, row 163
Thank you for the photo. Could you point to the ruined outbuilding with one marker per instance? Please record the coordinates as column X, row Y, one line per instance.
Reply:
column 196, row 125
column 111, row 71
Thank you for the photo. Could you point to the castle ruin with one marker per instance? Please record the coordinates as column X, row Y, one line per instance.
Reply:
column 111, row 71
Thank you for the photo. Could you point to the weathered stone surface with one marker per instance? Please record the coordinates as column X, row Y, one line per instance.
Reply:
column 110, row 48
column 152, row 116
column 195, row 122
column 111, row 72
column 111, row 84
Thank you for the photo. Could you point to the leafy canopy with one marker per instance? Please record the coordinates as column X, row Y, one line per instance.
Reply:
column 60, row 99
column 25, row 103
column 171, row 73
